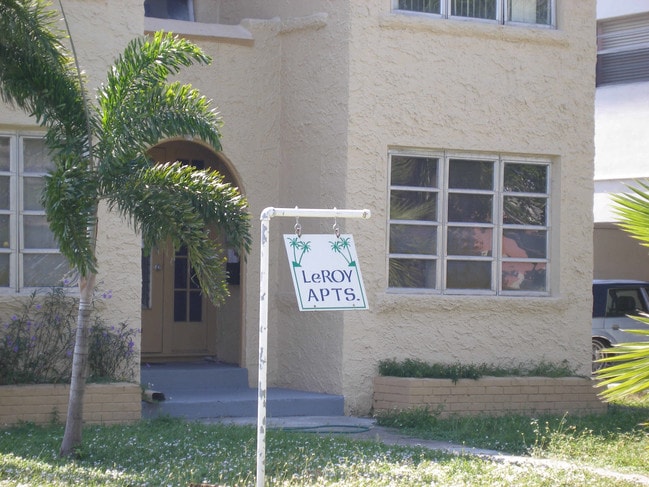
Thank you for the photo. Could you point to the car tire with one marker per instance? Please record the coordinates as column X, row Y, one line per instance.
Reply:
column 598, row 353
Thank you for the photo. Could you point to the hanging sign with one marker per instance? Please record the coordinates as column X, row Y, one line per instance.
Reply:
column 325, row 271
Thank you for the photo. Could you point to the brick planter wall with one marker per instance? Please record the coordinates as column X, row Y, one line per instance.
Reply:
column 488, row 395
column 119, row 402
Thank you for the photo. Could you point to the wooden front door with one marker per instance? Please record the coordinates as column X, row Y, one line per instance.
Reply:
column 178, row 321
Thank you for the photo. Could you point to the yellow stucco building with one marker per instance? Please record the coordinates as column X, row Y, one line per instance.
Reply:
column 466, row 127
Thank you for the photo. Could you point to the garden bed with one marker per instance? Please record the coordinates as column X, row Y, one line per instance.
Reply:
column 112, row 403
column 488, row 395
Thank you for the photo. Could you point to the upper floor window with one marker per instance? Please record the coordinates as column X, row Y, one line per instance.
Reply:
column 29, row 255
column 169, row 9
column 623, row 49
column 468, row 224
column 538, row 12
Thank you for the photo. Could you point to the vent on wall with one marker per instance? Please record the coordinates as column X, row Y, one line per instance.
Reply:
column 623, row 50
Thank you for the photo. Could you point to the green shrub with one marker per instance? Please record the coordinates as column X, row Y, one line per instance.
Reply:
column 455, row 371
column 36, row 346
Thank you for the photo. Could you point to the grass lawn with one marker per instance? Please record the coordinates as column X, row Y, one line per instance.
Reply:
column 176, row 453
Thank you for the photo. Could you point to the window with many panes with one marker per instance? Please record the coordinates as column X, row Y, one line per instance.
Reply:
column 538, row 12
column 29, row 255
column 469, row 224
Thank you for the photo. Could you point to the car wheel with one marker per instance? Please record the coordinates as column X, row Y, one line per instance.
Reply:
column 598, row 353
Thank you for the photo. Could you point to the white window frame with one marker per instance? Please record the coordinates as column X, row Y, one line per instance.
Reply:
column 502, row 14
column 497, row 226
column 15, row 245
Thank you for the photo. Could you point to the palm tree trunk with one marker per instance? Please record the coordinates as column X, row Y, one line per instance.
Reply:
column 74, row 421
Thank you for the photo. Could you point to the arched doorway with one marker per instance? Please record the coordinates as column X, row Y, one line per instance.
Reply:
column 178, row 322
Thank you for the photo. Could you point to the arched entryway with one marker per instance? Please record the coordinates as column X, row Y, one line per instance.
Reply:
column 178, row 322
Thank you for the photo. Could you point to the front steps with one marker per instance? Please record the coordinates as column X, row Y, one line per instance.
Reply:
column 206, row 390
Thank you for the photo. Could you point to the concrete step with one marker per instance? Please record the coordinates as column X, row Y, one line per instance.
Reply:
column 243, row 403
column 204, row 391
column 171, row 378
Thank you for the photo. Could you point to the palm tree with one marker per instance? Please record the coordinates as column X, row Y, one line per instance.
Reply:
column 627, row 364
column 100, row 154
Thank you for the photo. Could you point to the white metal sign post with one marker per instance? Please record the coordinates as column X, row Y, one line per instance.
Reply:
column 265, row 217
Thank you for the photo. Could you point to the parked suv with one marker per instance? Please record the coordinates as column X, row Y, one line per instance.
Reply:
column 614, row 301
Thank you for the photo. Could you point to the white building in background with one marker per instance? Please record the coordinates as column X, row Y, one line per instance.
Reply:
column 621, row 130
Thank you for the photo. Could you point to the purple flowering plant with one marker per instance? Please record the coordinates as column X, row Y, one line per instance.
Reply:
column 36, row 344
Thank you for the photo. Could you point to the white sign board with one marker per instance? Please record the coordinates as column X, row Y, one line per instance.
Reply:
column 325, row 271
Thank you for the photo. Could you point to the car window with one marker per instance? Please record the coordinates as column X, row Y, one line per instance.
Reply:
column 624, row 301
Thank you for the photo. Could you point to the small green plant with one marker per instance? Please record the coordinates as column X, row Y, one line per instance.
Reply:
column 455, row 371
column 36, row 344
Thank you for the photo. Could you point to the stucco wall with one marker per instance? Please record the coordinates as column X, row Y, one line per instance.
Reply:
column 424, row 83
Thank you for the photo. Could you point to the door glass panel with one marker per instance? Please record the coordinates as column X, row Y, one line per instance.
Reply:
column 180, row 272
column 188, row 298
column 195, row 306
column 43, row 270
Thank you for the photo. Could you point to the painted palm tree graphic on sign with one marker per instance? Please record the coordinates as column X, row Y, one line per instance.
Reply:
column 341, row 245
column 299, row 245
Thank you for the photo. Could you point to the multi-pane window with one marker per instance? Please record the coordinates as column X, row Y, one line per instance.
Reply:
column 539, row 12
column 468, row 224
column 29, row 255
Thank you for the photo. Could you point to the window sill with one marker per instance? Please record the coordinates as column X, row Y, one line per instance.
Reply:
column 515, row 33
column 220, row 32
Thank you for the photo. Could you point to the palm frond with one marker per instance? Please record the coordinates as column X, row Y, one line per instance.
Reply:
column 70, row 200
column 633, row 211
column 36, row 72
column 139, row 108
column 177, row 202
column 627, row 369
